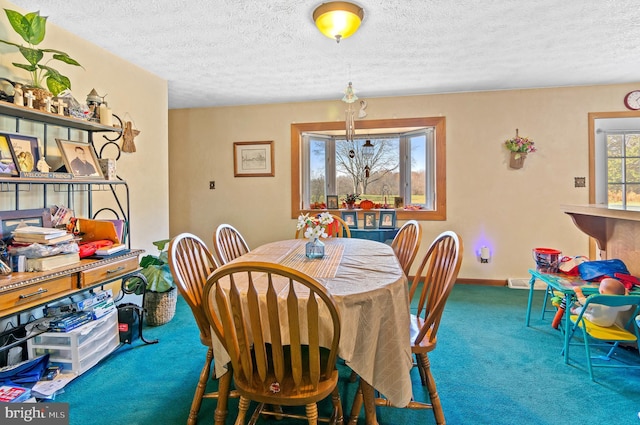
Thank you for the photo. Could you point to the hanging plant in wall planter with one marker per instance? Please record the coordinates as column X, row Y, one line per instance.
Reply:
column 519, row 147
column 45, row 80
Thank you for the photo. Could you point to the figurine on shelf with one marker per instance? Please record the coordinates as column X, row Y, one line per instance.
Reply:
column 18, row 98
column 30, row 98
column 48, row 102
column 42, row 165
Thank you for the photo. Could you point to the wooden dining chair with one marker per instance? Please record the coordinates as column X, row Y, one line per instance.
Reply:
column 191, row 263
column 229, row 243
column 406, row 244
column 337, row 229
column 428, row 294
column 276, row 344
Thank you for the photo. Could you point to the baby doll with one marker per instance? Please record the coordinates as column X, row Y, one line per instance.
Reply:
column 601, row 315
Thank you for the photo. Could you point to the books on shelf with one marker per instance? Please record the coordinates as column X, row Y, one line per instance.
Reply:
column 45, row 232
column 110, row 250
column 54, row 261
column 14, row 394
column 29, row 239
column 44, row 235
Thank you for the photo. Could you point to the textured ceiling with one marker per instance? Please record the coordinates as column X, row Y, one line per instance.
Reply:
column 239, row 52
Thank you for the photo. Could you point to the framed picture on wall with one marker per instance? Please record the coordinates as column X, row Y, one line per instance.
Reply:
column 253, row 159
column 80, row 159
column 351, row 218
column 387, row 220
column 332, row 202
column 370, row 220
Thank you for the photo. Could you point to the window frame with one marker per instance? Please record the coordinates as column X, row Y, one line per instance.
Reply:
column 596, row 176
column 439, row 212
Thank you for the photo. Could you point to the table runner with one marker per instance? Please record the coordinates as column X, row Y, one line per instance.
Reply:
column 318, row 268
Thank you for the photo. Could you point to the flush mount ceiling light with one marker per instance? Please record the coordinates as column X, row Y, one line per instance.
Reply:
column 338, row 19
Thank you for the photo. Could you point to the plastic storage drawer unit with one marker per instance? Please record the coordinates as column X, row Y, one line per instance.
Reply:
column 80, row 349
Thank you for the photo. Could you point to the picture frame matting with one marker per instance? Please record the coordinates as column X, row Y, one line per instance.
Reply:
column 253, row 159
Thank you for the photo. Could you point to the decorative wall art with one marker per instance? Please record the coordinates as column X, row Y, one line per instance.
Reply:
column 253, row 159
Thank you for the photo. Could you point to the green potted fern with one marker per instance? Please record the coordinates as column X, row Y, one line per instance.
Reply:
column 32, row 28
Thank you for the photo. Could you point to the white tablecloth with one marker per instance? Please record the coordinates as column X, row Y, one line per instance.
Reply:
column 371, row 292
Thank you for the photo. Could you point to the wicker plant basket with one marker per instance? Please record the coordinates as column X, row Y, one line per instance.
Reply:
column 40, row 94
column 160, row 306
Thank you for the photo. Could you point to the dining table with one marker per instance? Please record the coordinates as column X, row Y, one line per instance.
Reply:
column 370, row 290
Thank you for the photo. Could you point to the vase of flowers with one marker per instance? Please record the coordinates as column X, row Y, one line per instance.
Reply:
column 314, row 228
column 350, row 200
column 519, row 147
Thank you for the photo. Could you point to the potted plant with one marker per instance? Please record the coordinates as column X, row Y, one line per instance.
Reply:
column 350, row 200
column 160, row 294
column 31, row 27
column 519, row 148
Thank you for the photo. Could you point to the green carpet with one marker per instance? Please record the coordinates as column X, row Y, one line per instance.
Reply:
column 489, row 368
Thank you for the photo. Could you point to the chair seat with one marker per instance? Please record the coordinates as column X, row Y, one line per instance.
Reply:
column 428, row 343
column 287, row 396
column 614, row 332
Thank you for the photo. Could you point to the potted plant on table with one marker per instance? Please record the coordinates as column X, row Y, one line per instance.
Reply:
column 31, row 27
column 160, row 294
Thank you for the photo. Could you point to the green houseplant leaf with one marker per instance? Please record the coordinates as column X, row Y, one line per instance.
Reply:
column 155, row 268
column 32, row 28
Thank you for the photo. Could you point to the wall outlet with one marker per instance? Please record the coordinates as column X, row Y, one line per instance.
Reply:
column 212, row 184
column 580, row 181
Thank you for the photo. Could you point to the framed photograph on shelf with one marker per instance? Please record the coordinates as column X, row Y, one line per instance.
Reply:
column 7, row 163
column 332, row 202
column 253, row 159
column 398, row 202
column 9, row 220
column 370, row 220
column 80, row 159
column 387, row 220
column 26, row 151
column 351, row 218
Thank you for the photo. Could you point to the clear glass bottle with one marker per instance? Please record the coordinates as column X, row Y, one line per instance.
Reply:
column 314, row 249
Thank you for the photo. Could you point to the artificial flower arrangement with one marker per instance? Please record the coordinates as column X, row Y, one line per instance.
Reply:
column 315, row 227
column 351, row 198
column 520, row 145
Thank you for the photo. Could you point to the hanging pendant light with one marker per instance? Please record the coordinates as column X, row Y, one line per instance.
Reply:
column 338, row 19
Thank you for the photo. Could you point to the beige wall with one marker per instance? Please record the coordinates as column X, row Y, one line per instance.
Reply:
column 512, row 211
column 132, row 93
